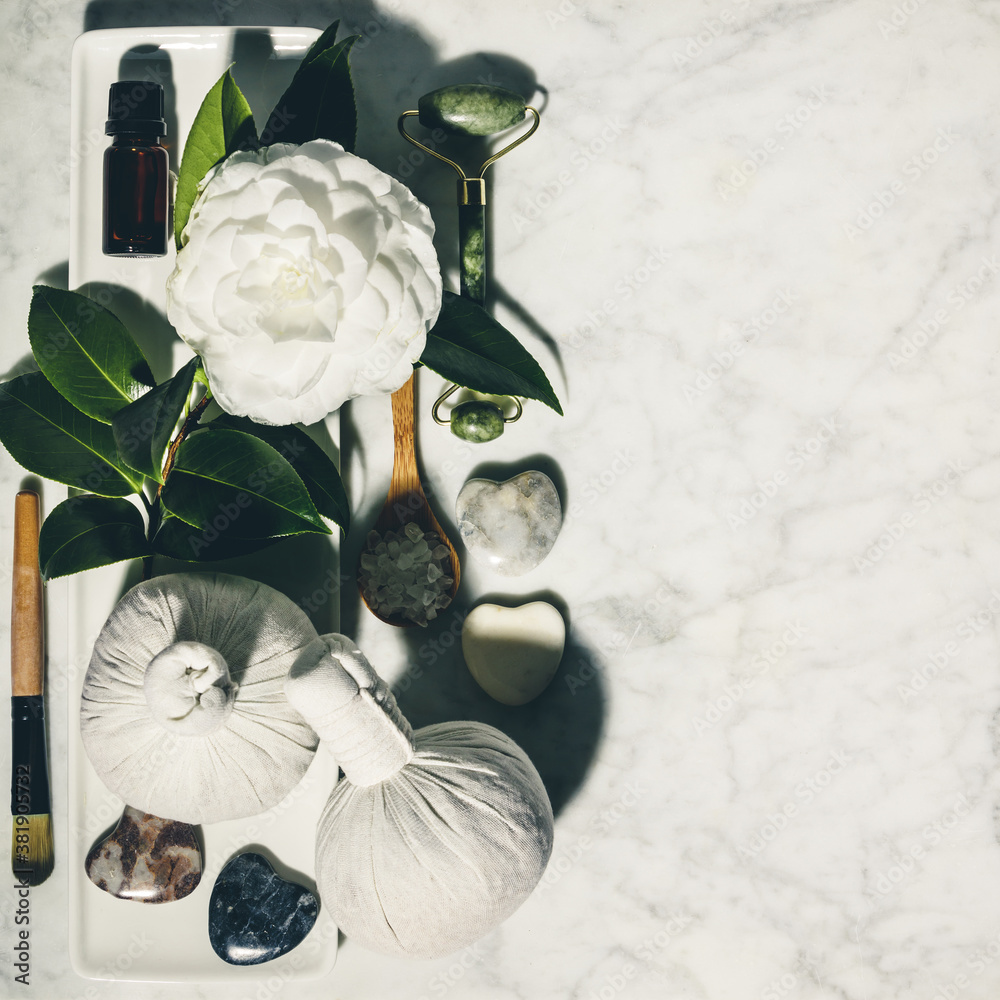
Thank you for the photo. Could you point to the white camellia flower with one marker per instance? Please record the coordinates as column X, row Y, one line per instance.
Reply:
column 307, row 276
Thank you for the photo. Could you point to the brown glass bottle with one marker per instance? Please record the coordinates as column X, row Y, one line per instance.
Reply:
column 136, row 172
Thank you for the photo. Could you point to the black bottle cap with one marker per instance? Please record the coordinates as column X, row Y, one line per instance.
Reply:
column 135, row 106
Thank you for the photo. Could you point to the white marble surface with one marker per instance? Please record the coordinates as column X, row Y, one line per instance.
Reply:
column 761, row 237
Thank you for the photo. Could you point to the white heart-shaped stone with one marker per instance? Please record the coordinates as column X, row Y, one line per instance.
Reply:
column 513, row 653
column 509, row 526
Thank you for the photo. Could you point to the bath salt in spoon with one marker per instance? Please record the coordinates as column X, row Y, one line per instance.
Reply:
column 409, row 569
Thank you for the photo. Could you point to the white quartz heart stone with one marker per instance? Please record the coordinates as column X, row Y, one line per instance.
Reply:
column 509, row 526
column 513, row 653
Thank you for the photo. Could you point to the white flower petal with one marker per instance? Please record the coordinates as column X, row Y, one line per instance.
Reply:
column 306, row 277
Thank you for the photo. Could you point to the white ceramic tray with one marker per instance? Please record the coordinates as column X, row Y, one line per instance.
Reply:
column 111, row 938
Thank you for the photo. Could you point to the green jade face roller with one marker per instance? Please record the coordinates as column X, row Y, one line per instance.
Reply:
column 481, row 110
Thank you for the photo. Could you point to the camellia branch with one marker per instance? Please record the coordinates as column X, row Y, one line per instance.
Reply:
column 189, row 425
column 154, row 509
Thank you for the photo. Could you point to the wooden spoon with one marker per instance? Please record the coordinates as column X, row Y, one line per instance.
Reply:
column 407, row 501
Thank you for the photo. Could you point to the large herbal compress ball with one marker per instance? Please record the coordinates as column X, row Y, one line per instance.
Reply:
column 183, row 713
column 436, row 836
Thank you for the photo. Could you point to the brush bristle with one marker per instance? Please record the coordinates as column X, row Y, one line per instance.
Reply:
column 32, row 861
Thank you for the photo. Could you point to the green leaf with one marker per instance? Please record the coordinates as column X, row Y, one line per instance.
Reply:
column 48, row 436
column 144, row 428
column 224, row 123
column 89, row 531
column 319, row 102
column 239, row 485
column 325, row 41
column 315, row 468
column 86, row 352
column 468, row 346
column 177, row 539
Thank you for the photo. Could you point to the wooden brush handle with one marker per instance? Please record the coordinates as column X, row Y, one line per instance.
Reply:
column 26, row 652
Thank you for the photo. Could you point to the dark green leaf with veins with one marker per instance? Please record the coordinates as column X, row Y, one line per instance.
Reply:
column 240, row 486
column 316, row 469
column 144, row 428
column 86, row 352
column 177, row 539
column 468, row 346
column 89, row 531
column 52, row 438
column 319, row 102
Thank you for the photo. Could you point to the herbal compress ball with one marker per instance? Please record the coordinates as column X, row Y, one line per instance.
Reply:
column 183, row 712
column 436, row 836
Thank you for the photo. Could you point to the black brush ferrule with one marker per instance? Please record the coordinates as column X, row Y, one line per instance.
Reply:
column 29, row 774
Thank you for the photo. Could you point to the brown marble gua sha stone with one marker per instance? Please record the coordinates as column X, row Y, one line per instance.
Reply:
column 146, row 859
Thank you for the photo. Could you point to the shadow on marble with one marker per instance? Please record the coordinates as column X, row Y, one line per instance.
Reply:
column 560, row 730
column 56, row 276
column 24, row 364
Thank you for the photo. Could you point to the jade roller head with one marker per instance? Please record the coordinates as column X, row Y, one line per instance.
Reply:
column 476, row 420
column 472, row 109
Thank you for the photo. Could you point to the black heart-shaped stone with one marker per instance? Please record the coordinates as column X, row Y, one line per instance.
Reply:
column 255, row 915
